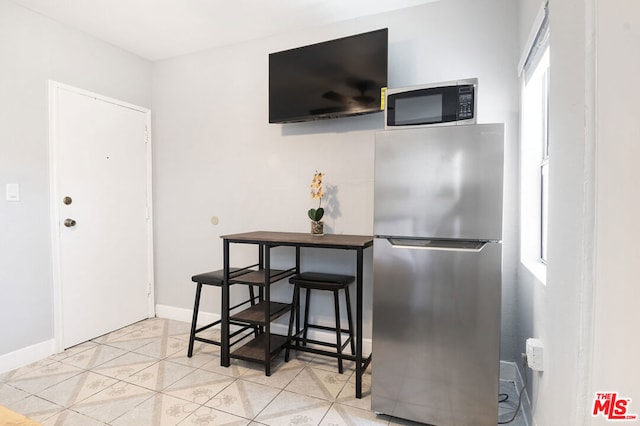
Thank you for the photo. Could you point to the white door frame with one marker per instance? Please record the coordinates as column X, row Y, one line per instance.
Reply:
column 54, row 87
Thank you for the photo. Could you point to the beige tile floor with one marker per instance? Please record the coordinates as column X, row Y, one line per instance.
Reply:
column 140, row 375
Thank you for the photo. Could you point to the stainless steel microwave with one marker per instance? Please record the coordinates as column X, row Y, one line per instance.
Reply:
column 440, row 104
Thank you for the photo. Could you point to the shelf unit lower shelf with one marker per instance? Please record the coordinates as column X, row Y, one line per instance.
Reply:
column 255, row 315
column 258, row 277
column 254, row 350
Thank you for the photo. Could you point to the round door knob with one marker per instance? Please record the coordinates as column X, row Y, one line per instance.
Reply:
column 69, row 223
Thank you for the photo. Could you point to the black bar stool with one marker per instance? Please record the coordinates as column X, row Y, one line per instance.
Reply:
column 215, row 278
column 325, row 282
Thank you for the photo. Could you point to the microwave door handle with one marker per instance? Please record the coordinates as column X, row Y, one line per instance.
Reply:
column 438, row 245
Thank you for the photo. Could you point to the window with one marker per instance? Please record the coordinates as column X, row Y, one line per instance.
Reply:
column 543, row 122
column 534, row 150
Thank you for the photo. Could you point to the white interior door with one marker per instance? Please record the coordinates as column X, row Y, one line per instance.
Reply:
column 102, row 215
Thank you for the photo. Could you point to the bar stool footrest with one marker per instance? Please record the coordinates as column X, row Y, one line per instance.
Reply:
column 346, row 357
column 302, row 342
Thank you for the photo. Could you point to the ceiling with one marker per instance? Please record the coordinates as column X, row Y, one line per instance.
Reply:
column 161, row 29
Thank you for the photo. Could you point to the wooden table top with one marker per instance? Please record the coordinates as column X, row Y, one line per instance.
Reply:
column 302, row 239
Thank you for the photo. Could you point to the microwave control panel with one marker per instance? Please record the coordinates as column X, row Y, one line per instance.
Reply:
column 465, row 102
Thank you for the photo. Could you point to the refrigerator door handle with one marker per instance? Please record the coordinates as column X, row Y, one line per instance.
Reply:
column 441, row 245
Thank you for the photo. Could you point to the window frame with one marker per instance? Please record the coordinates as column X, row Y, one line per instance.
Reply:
column 534, row 147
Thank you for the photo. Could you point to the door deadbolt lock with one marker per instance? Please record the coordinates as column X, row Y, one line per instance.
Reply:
column 67, row 200
column 69, row 223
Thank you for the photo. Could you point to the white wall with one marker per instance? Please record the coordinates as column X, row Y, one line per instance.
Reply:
column 564, row 315
column 617, row 202
column 586, row 314
column 33, row 50
column 556, row 312
column 216, row 154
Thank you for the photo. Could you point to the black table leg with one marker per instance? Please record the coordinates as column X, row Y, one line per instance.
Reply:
column 224, row 325
column 359, row 286
column 267, row 310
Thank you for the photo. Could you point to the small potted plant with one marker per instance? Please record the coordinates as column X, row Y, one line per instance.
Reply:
column 317, row 226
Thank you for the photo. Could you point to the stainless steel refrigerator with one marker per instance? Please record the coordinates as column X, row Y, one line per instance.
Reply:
column 437, row 274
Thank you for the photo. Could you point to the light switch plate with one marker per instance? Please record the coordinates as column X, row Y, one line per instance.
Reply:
column 13, row 192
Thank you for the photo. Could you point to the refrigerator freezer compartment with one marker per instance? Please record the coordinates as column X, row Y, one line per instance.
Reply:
column 441, row 182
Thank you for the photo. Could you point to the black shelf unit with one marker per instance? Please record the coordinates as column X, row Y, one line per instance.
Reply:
column 265, row 346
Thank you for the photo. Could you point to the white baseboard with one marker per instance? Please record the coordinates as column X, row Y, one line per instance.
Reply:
column 24, row 356
column 185, row 315
column 509, row 371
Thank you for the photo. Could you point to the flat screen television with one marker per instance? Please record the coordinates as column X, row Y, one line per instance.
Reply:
column 330, row 79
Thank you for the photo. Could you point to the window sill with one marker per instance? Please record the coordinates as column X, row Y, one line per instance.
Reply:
column 537, row 269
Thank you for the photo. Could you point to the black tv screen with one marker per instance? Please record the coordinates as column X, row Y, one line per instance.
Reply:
column 330, row 79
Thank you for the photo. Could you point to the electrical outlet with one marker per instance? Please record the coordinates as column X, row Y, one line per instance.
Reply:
column 13, row 192
column 535, row 350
